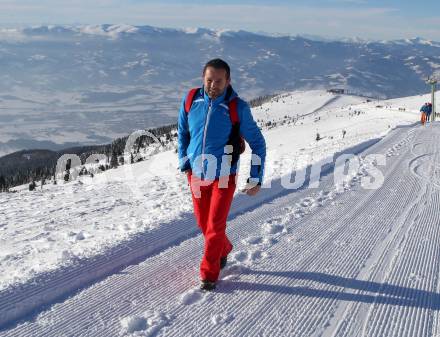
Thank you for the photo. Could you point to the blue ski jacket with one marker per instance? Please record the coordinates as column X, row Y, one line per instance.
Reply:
column 204, row 131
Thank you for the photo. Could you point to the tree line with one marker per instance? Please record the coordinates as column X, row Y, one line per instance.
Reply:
column 29, row 166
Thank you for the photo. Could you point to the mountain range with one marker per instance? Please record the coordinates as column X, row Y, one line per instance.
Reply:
column 63, row 86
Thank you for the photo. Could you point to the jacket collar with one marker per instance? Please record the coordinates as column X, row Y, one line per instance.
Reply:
column 219, row 99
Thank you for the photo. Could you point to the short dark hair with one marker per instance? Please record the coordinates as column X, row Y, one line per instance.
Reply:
column 218, row 64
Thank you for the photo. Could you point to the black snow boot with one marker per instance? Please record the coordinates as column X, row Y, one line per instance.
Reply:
column 207, row 285
column 223, row 262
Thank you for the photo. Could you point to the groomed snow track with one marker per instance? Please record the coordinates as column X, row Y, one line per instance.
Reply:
column 317, row 262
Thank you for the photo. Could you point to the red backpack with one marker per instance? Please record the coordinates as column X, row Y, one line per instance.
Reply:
column 235, row 139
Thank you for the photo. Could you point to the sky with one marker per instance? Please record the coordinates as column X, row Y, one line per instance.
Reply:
column 367, row 19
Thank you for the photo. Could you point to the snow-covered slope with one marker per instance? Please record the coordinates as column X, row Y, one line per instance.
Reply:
column 303, row 102
column 301, row 250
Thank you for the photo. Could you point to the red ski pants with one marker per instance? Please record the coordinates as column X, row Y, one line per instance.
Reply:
column 212, row 202
column 423, row 118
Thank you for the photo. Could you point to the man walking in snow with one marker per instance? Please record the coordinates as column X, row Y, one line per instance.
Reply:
column 213, row 121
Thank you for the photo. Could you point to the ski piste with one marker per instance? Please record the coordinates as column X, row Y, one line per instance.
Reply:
column 331, row 261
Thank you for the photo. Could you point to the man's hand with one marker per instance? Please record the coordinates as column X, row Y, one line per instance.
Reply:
column 188, row 174
column 251, row 189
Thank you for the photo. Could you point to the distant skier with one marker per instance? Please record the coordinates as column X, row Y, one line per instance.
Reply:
column 212, row 122
column 343, row 133
column 424, row 111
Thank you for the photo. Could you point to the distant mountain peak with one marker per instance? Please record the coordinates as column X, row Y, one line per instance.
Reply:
column 120, row 29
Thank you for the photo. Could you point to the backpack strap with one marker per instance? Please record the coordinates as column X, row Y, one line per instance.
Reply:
column 233, row 113
column 190, row 98
column 235, row 138
column 232, row 105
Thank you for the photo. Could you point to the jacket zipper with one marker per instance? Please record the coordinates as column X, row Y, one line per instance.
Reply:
column 205, row 131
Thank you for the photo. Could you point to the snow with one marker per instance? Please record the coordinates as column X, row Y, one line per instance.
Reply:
column 112, row 31
column 190, row 30
column 434, row 65
column 336, row 259
column 147, row 324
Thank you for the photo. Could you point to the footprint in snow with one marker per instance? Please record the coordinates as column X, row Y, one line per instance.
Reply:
column 249, row 256
column 275, row 220
column 193, row 296
column 223, row 318
column 80, row 236
column 273, row 228
column 253, row 240
column 256, row 255
column 233, row 272
column 146, row 324
column 306, row 202
column 240, row 256
column 269, row 241
column 319, row 200
column 259, row 241
column 299, row 213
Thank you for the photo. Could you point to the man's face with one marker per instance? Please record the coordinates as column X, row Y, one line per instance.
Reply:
column 215, row 82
